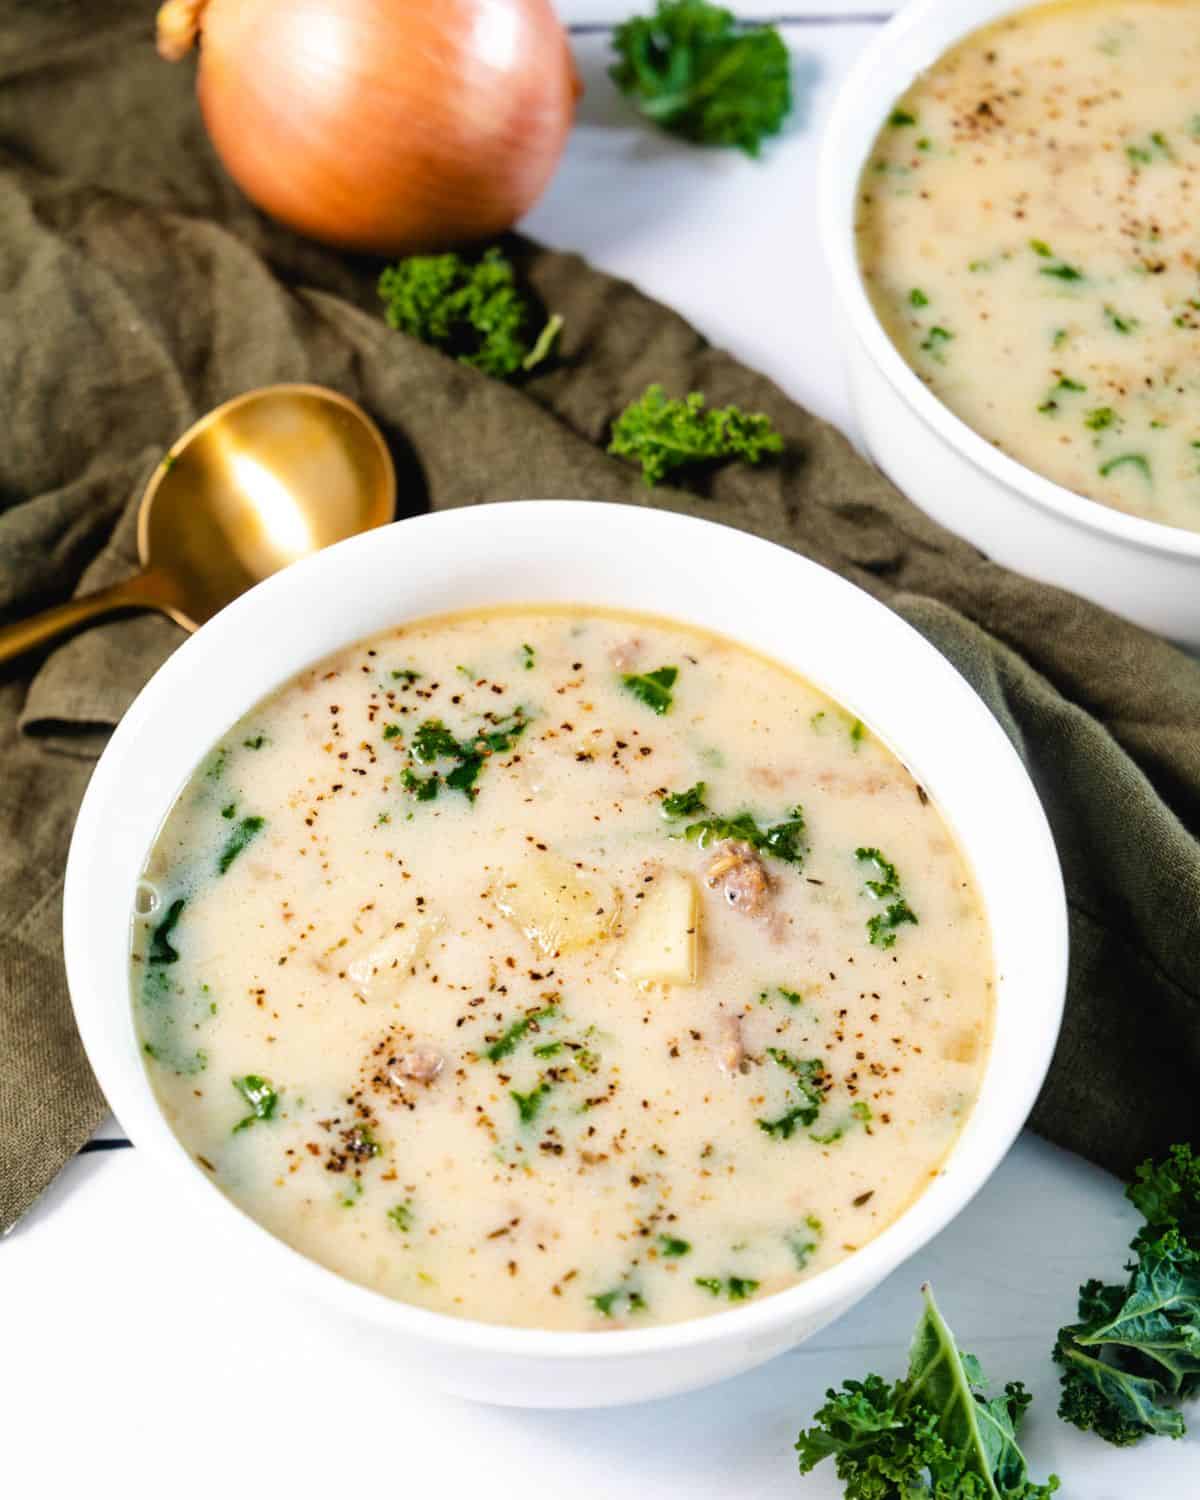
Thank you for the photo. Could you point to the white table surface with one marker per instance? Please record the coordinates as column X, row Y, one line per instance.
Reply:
column 130, row 1353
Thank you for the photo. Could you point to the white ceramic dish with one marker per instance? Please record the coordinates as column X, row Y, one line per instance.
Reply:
column 1145, row 571
column 583, row 553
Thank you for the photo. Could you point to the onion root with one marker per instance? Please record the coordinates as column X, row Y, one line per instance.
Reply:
column 177, row 26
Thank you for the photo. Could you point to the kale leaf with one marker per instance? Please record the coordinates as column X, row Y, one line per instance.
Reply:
column 735, row 1288
column 259, row 1095
column 1135, row 1351
column 162, row 950
column 784, row 840
column 242, row 834
column 1167, row 1195
column 529, row 1105
column 937, row 1433
column 433, row 742
column 683, row 804
column 806, row 1083
column 663, row 434
column 512, row 1036
column 652, row 688
column 471, row 310
column 623, row 1298
column 695, row 71
column 881, row 928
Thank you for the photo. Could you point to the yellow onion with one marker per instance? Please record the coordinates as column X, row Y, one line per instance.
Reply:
column 387, row 125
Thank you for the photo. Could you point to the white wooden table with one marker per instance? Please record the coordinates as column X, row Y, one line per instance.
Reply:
column 134, row 1362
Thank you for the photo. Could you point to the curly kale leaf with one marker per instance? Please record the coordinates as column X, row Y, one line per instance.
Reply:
column 472, row 310
column 935, row 1435
column 1136, row 1348
column 785, row 839
column 1167, row 1195
column 663, row 434
column 1135, row 1351
column 696, row 72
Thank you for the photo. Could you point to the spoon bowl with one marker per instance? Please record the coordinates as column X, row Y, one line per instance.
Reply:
column 264, row 480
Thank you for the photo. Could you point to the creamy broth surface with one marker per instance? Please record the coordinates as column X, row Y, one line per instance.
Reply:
column 451, row 981
column 1027, row 234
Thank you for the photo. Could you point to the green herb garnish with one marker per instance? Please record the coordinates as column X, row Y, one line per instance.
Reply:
column 881, row 928
column 529, row 1105
column 663, row 434
column 938, row 1434
column 806, row 1080
column 803, row 1242
column 406, row 674
column 1142, row 156
column 471, row 310
column 935, row 341
column 793, row 997
column 237, row 841
column 652, row 688
column 696, row 71
column 423, row 788
column 392, row 731
column 400, row 1215
column 683, row 804
column 1100, row 418
column 256, row 742
column 672, row 1248
column 1117, row 322
column 1065, row 383
column 917, row 298
column 736, row 1288
column 1060, row 270
column 1137, row 461
column 528, row 657
column 259, row 1095
column 621, row 1298
column 784, row 840
column 162, row 950
column 509, row 1039
column 433, row 742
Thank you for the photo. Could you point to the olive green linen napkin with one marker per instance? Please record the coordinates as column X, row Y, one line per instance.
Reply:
column 138, row 289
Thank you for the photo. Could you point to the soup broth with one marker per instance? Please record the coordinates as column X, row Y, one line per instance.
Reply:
column 561, row 969
column 1027, row 235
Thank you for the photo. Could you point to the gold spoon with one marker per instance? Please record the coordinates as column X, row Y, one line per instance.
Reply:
column 258, row 483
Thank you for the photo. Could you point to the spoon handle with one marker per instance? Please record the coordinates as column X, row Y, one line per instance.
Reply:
column 142, row 591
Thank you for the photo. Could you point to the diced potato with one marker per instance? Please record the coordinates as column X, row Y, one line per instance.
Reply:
column 556, row 906
column 384, row 967
column 663, row 944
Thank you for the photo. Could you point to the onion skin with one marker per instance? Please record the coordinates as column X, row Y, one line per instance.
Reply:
column 382, row 125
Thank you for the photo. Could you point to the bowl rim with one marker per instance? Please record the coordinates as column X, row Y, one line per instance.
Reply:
column 105, row 1017
column 859, row 98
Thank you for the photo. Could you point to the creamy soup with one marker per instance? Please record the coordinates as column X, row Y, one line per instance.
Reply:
column 1027, row 229
column 561, row 969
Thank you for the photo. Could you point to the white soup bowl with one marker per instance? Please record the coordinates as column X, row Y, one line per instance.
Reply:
column 626, row 558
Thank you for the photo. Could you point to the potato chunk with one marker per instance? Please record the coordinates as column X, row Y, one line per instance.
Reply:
column 663, row 945
column 556, row 906
column 383, row 968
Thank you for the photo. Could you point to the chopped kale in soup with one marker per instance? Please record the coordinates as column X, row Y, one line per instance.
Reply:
column 1027, row 234
column 564, row 969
